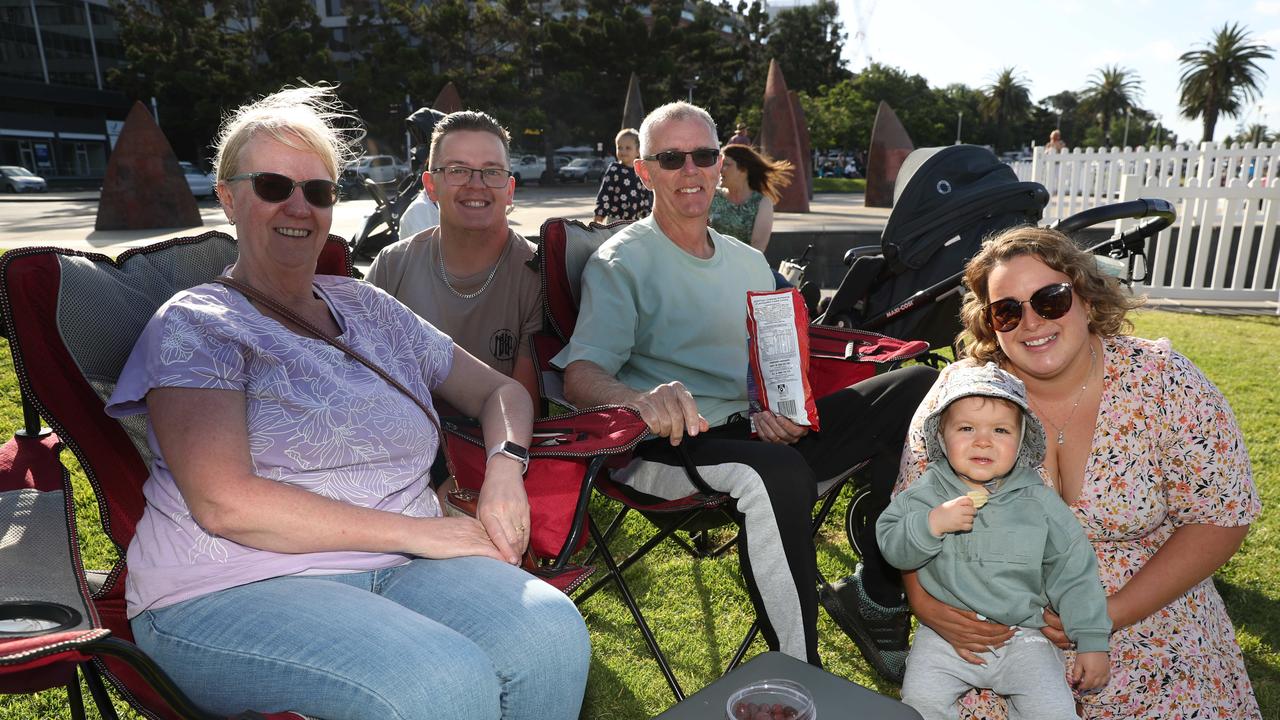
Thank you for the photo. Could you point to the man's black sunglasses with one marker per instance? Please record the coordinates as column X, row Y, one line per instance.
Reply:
column 674, row 159
column 1050, row 302
column 276, row 188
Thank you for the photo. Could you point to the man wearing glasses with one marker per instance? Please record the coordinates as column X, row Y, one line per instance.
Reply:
column 662, row 329
column 469, row 276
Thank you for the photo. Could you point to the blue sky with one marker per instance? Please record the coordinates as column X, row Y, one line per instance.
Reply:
column 1057, row 46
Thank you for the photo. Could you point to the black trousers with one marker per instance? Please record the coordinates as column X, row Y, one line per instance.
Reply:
column 775, row 487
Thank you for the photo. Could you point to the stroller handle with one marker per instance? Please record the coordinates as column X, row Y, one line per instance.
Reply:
column 1159, row 211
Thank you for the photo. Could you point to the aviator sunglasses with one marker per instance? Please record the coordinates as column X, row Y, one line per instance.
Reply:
column 1050, row 302
column 674, row 159
column 276, row 188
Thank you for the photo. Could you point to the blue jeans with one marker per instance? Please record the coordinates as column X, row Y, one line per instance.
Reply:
column 462, row 638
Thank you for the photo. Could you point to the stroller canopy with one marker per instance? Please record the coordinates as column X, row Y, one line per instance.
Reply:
column 940, row 190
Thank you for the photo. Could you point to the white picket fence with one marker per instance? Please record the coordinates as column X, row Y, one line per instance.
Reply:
column 1225, row 247
column 1229, row 192
column 1084, row 178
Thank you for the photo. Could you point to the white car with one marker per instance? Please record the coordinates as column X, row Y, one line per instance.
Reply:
column 582, row 170
column 201, row 184
column 378, row 168
column 15, row 179
column 528, row 167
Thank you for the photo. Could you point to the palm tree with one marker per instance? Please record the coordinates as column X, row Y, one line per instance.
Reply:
column 1006, row 100
column 1222, row 77
column 1111, row 90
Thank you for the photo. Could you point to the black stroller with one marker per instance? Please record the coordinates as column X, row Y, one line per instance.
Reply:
column 382, row 227
column 946, row 201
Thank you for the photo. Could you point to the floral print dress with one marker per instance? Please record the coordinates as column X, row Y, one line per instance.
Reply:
column 735, row 220
column 1167, row 452
column 622, row 196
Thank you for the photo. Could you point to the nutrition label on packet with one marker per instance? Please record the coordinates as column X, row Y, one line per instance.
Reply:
column 778, row 354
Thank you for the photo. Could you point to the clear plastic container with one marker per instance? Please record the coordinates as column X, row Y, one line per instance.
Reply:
column 774, row 699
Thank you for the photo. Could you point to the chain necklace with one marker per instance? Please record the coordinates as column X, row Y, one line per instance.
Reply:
column 1093, row 356
column 444, row 275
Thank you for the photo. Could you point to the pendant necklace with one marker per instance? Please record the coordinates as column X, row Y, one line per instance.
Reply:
column 1093, row 356
column 444, row 275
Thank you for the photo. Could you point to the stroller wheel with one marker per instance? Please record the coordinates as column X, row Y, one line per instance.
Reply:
column 856, row 518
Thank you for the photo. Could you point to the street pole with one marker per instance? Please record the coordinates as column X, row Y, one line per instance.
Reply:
column 959, row 124
column 408, row 141
column 1125, row 142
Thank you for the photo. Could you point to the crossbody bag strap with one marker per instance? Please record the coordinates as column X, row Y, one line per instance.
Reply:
column 293, row 317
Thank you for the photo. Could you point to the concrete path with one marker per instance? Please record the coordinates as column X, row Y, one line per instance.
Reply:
column 66, row 219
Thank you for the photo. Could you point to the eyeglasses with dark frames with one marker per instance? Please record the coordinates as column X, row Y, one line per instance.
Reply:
column 1050, row 302
column 276, row 188
column 459, row 175
column 674, row 159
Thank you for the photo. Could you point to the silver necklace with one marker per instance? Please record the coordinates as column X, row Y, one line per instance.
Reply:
column 1093, row 356
column 444, row 275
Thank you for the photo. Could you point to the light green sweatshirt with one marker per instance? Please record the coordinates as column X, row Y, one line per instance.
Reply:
column 1026, row 551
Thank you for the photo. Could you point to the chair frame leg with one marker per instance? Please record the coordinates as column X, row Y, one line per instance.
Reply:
column 75, row 699
column 615, row 573
column 601, row 547
column 99, row 692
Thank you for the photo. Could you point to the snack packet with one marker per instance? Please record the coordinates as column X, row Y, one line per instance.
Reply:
column 778, row 356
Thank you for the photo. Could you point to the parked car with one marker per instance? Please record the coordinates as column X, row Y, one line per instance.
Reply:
column 15, row 179
column 526, row 167
column 582, row 170
column 378, row 168
column 201, row 184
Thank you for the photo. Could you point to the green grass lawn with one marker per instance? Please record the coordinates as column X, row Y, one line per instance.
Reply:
column 700, row 612
column 839, row 185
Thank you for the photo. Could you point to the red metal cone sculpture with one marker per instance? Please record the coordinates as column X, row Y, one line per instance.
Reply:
column 633, row 109
column 144, row 187
column 890, row 145
column 806, row 150
column 448, row 101
column 780, row 139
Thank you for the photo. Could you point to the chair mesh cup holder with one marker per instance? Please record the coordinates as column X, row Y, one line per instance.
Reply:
column 33, row 618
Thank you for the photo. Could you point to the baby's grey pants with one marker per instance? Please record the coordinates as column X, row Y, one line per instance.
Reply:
column 1028, row 672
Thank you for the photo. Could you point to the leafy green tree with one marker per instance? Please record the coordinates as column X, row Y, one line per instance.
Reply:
column 191, row 63
column 1007, row 101
column 1221, row 77
column 1110, row 91
column 289, row 43
column 807, row 41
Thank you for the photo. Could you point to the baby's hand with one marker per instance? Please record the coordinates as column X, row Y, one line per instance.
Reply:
column 1091, row 671
column 952, row 516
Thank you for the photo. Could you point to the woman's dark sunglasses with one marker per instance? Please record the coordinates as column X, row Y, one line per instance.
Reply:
column 276, row 188
column 674, row 159
column 1050, row 302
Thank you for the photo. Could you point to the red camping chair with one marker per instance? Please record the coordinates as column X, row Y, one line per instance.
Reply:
column 72, row 319
column 838, row 358
column 568, row 454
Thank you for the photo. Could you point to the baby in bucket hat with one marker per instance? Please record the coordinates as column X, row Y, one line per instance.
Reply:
column 986, row 534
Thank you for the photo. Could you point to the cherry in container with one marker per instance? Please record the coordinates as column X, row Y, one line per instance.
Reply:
column 774, row 699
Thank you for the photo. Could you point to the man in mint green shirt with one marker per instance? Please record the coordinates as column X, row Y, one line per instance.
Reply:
column 662, row 329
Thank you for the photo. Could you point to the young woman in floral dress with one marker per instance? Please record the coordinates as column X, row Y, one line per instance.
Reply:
column 1146, row 452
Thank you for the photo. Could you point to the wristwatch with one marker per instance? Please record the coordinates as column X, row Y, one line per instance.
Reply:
column 519, row 453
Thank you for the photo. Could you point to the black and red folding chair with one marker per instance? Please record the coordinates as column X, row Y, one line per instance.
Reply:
column 71, row 319
column 838, row 358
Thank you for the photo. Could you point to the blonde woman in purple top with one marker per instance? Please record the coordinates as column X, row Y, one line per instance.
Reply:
column 291, row 555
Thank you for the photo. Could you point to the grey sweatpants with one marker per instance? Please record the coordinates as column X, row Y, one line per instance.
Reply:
column 1029, row 672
